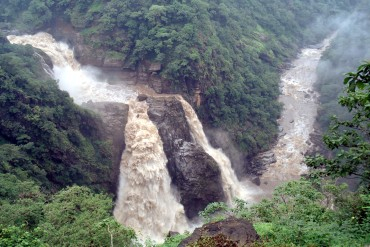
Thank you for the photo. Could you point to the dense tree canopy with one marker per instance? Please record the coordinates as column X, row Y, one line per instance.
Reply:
column 43, row 134
column 233, row 50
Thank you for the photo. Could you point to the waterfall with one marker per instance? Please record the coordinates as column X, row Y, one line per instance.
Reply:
column 231, row 185
column 145, row 200
column 83, row 83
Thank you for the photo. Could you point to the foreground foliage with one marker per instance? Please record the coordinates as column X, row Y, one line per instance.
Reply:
column 350, row 139
column 319, row 212
column 74, row 216
column 305, row 213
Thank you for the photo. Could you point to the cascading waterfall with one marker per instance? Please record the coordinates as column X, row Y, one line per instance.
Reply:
column 145, row 201
column 81, row 82
column 231, row 185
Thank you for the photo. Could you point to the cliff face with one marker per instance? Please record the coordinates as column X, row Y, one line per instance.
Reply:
column 115, row 68
column 195, row 174
column 114, row 116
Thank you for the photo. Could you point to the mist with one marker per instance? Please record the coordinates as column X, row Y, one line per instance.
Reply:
column 351, row 45
column 349, row 49
column 83, row 83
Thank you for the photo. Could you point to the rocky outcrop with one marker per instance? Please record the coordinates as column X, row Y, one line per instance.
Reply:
column 261, row 161
column 230, row 232
column 85, row 54
column 118, row 72
column 114, row 116
column 197, row 177
column 195, row 174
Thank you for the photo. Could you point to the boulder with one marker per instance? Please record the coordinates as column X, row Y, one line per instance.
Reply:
column 230, row 232
column 142, row 97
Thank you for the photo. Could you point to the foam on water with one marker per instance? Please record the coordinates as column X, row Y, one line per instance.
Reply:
column 298, row 117
column 83, row 83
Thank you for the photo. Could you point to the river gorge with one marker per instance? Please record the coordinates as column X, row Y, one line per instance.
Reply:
column 160, row 178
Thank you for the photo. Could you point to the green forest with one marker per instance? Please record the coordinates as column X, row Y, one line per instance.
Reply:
column 232, row 50
column 55, row 166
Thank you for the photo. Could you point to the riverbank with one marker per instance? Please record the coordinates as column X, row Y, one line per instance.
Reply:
column 297, row 121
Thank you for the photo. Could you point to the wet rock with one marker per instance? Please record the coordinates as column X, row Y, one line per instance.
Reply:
column 112, row 62
column 197, row 177
column 114, row 116
column 172, row 234
column 262, row 160
column 155, row 67
column 142, row 97
column 229, row 232
column 156, row 83
column 45, row 57
column 221, row 139
column 195, row 174
column 256, row 180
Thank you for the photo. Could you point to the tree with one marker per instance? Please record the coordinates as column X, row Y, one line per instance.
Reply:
column 79, row 217
column 21, row 202
column 349, row 139
column 17, row 236
column 303, row 213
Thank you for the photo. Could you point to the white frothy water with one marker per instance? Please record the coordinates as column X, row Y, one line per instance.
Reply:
column 298, row 117
column 81, row 82
column 233, row 188
column 145, row 201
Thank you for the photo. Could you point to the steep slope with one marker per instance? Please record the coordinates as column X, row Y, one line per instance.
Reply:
column 229, row 51
column 43, row 134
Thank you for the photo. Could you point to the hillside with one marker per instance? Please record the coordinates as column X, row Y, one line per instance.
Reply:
column 232, row 51
column 55, row 160
column 44, row 136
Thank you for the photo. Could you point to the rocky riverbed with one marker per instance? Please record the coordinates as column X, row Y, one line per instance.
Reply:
column 286, row 159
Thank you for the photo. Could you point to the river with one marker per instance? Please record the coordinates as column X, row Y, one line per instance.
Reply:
column 297, row 120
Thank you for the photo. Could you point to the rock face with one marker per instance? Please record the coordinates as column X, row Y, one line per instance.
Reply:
column 197, row 177
column 229, row 232
column 114, row 116
column 145, row 73
column 195, row 174
column 262, row 160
